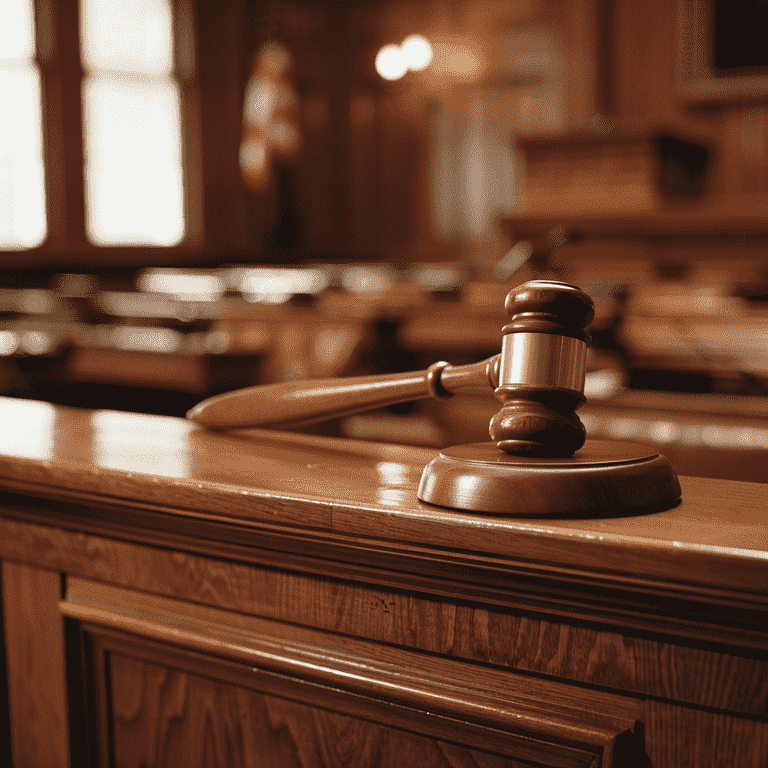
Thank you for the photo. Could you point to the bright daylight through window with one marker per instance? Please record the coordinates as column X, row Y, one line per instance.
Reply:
column 22, row 184
column 132, row 124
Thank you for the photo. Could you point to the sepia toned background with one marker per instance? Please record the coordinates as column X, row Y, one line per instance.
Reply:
column 198, row 196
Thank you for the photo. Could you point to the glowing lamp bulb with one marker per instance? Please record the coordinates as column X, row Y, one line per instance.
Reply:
column 417, row 52
column 391, row 64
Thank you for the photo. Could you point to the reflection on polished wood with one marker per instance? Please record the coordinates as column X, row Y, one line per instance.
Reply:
column 355, row 488
column 265, row 595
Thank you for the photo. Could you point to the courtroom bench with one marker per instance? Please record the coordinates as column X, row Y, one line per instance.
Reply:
column 175, row 596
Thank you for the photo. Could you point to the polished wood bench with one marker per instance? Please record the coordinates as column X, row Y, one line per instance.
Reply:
column 178, row 597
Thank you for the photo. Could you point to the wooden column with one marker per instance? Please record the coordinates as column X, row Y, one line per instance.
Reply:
column 37, row 686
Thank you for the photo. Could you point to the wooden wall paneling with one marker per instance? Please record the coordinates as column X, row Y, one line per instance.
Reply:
column 392, row 170
column 754, row 141
column 589, row 84
column 151, row 683
column 222, row 61
column 420, row 232
column 636, row 63
column 341, row 54
column 703, row 673
column 720, row 739
column 728, row 163
column 364, row 168
column 643, row 52
column 36, row 666
column 314, row 167
column 700, row 83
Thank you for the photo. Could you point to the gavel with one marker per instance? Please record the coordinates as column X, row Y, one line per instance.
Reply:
column 537, row 463
column 539, row 378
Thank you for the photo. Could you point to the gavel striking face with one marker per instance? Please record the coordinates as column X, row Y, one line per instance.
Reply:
column 539, row 378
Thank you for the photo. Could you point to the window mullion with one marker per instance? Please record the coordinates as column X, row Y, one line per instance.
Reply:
column 186, row 66
column 58, row 55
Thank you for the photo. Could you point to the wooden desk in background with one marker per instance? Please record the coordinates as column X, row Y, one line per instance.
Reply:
column 175, row 597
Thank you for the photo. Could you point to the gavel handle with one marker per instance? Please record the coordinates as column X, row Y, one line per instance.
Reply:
column 298, row 403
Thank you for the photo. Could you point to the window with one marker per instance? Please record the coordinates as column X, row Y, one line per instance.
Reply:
column 22, row 185
column 92, row 107
column 131, row 108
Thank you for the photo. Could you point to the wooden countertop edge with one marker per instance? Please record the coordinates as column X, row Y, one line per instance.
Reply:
column 636, row 560
column 217, row 499
column 693, row 611
column 526, row 543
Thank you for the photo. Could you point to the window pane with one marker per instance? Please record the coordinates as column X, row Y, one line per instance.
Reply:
column 133, row 174
column 17, row 37
column 127, row 35
column 22, row 195
column 133, row 162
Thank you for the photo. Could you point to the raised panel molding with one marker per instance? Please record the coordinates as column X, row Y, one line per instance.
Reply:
column 517, row 715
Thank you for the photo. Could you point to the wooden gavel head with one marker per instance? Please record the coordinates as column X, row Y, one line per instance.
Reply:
column 542, row 369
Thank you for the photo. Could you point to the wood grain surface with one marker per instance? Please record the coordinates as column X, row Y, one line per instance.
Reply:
column 677, row 736
column 729, row 676
column 36, row 667
column 170, row 718
column 180, row 671
column 227, row 587
column 518, row 704
column 717, row 537
column 159, row 691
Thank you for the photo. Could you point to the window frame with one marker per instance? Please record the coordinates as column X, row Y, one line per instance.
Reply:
column 211, row 86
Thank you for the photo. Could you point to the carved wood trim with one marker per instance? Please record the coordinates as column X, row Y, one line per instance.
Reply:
column 712, row 615
column 482, row 626
column 185, row 670
column 526, row 711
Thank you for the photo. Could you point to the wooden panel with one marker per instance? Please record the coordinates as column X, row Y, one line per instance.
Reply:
column 699, row 739
column 727, row 678
column 5, row 718
column 588, row 91
column 554, row 590
column 169, row 718
column 692, row 671
column 516, row 704
column 481, row 631
column 36, row 667
column 151, row 683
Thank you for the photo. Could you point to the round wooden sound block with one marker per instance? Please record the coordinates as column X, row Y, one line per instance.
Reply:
column 603, row 479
